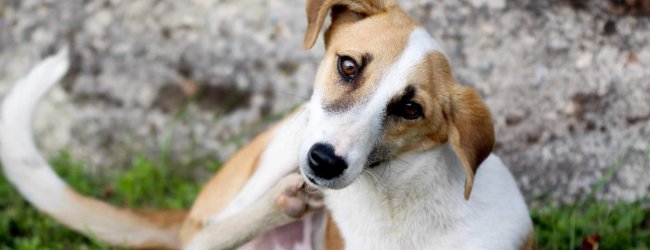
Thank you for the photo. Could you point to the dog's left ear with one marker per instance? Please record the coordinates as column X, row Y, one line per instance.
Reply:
column 342, row 10
column 471, row 133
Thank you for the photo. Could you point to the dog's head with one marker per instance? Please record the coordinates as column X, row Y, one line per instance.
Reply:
column 384, row 88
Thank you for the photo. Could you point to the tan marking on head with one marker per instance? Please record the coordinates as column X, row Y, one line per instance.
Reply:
column 453, row 114
column 357, row 31
column 351, row 9
column 432, row 81
column 359, row 39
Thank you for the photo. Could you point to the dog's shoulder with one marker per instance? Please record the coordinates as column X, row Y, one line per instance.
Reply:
column 499, row 210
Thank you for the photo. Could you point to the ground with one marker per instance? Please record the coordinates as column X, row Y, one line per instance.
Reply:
column 567, row 81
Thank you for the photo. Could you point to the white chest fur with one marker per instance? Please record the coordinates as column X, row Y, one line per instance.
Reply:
column 417, row 203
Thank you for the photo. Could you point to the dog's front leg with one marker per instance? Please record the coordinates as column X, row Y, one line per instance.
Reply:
column 278, row 160
column 286, row 202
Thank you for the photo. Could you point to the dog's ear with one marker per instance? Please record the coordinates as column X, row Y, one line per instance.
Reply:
column 471, row 133
column 342, row 11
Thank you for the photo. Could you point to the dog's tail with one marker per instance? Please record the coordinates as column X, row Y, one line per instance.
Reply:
column 27, row 169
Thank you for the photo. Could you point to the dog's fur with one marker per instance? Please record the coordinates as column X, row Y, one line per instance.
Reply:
column 409, row 183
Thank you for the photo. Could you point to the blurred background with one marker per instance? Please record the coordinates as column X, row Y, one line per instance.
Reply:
column 568, row 82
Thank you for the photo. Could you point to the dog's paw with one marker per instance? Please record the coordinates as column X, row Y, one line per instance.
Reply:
column 298, row 197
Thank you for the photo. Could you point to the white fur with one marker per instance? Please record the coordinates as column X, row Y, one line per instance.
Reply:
column 415, row 202
column 279, row 159
column 20, row 158
column 353, row 133
column 262, row 215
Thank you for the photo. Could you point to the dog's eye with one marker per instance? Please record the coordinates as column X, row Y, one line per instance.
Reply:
column 348, row 68
column 410, row 111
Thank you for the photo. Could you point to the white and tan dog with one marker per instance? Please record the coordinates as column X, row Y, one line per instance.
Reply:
column 394, row 142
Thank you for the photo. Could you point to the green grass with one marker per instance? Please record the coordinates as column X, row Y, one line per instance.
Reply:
column 152, row 183
column 619, row 226
column 144, row 184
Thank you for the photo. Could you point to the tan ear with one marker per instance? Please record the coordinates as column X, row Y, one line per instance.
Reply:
column 318, row 9
column 471, row 132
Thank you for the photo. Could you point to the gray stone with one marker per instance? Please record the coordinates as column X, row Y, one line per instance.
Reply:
column 568, row 101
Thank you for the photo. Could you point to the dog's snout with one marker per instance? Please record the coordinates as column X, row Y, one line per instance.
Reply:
column 324, row 163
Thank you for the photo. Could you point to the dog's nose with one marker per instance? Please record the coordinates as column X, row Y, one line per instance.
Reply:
column 324, row 163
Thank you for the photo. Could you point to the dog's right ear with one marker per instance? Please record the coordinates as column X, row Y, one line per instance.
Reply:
column 342, row 11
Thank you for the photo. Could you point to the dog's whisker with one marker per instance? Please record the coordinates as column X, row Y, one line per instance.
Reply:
column 404, row 161
column 372, row 175
column 386, row 168
column 377, row 180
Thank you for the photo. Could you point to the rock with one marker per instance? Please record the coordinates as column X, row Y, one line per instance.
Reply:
column 540, row 74
column 487, row 29
column 609, row 28
column 568, row 100
column 97, row 24
column 516, row 117
column 491, row 4
column 584, row 60
column 558, row 45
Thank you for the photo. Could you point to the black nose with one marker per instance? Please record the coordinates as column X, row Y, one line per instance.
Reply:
column 324, row 163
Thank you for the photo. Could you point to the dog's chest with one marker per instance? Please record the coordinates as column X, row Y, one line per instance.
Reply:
column 372, row 219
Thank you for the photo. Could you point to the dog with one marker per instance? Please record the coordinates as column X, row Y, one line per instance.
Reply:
column 401, row 153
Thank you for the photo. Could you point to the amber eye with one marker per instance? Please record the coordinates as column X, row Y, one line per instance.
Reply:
column 410, row 111
column 348, row 68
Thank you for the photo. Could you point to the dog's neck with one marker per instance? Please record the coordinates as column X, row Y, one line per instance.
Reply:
column 406, row 201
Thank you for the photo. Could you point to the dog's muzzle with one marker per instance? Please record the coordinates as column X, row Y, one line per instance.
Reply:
column 324, row 163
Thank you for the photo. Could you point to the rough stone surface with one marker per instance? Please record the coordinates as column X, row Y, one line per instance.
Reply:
column 569, row 86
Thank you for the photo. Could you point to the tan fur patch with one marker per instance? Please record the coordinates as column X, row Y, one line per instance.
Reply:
column 317, row 12
column 529, row 243
column 333, row 238
column 432, row 81
column 451, row 113
column 472, row 131
column 167, row 223
column 358, row 40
